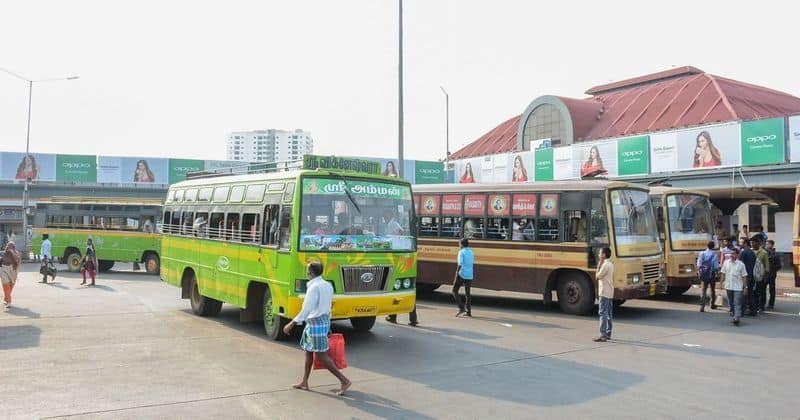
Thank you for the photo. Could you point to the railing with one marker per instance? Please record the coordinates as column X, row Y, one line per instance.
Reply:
column 252, row 235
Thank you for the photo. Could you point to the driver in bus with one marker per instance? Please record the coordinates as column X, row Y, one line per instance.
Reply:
column 392, row 225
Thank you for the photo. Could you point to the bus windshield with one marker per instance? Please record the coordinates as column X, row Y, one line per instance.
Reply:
column 339, row 214
column 635, row 230
column 689, row 221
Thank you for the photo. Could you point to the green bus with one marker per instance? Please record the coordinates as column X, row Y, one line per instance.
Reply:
column 122, row 230
column 245, row 240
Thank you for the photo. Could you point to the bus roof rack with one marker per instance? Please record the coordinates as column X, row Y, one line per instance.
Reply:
column 248, row 169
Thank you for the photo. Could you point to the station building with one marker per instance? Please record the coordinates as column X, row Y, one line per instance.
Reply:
column 648, row 129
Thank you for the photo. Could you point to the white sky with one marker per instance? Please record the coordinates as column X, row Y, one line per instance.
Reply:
column 171, row 79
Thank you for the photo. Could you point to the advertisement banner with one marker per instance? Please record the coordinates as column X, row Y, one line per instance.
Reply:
column 487, row 169
column 498, row 205
column 36, row 166
column 663, row 152
column 178, row 168
column 76, row 168
column 544, row 164
column 474, row 205
column 549, row 206
column 344, row 164
column 562, row 163
column 597, row 159
column 524, row 205
column 465, row 174
column 501, row 172
column 633, row 156
column 429, row 205
column 763, row 142
column 451, row 205
column 794, row 138
column 426, row 172
column 696, row 148
column 132, row 170
column 521, row 162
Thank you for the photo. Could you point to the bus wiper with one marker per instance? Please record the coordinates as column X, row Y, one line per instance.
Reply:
column 347, row 191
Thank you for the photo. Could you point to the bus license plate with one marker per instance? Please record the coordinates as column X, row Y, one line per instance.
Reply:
column 365, row 310
column 652, row 289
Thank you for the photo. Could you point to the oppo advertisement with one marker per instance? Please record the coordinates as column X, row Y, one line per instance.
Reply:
column 34, row 167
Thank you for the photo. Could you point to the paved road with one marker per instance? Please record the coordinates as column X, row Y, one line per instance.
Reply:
column 130, row 348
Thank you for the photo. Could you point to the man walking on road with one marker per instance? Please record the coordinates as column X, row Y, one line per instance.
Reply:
column 605, row 285
column 748, row 258
column 760, row 286
column 735, row 275
column 707, row 268
column 464, row 276
column 775, row 265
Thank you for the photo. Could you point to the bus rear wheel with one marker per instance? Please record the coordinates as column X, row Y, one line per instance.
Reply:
column 362, row 323
column 273, row 323
column 677, row 290
column 105, row 265
column 152, row 264
column 575, row 294
column 74, row 261
column 202, row 305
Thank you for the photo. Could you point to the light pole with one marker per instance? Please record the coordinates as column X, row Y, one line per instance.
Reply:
column 400, row 164
column 447, row 126
column 26, row 241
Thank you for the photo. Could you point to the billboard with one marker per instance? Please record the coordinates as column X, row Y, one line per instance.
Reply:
column 465, row 174
column 794, row 138
column 36, row 166
column 76, row 168
column 763, row 142
column 696, row 148
column 426, row 172
column 178, row 168
column 132, row 170
column 633, row 156
column 563, row 163
column 596, row 159
column 521, row 163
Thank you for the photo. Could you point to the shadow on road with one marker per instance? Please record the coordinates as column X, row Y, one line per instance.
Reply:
column 22, row 312
column 402, row 353
column 19, row 337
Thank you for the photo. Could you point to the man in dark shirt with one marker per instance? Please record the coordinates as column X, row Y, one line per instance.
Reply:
column 748, row 257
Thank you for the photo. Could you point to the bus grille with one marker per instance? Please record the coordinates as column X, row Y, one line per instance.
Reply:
column 652, row 272
column 357, row 279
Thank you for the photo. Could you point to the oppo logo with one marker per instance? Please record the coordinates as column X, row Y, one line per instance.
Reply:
column 430, row 171
column 633, row 153
column 185, row 169
column 761, row 139
column 70, row 165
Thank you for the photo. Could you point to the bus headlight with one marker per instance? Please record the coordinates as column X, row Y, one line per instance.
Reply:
column 686, row 268
column 397, row 284
column 406, row 283
column 634, row 278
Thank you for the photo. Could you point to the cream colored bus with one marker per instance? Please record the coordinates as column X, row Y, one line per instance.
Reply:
column 685, row 227
column 541, row 237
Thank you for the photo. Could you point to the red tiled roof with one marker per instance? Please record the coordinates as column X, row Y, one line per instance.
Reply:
column 680, row 97
column 502, row 138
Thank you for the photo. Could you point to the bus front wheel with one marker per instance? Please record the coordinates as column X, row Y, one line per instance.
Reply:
column 273, row 323
column 202, row 305
column 363, row 323
column 74, row 261
column 575, row 294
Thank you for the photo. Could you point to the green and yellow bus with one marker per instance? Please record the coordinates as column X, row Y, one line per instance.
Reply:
column 796, row 237
column 122, row 230
column 541, row 237
column 685, row 227
column 245, row 240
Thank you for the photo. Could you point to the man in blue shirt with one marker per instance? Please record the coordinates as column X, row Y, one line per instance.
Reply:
column 707, row 268
column 464, row 276
column 748, row 257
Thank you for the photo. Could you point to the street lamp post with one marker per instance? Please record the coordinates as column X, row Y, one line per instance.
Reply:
column 25, row 235
column 446, row 125
column 400, row 164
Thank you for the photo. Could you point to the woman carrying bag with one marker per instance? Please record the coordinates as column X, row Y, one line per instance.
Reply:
column 89, row 262
column 10, row 261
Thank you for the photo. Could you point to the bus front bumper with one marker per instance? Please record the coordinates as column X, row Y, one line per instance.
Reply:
column 363, row 305
column 675, row 281
column 641, row 290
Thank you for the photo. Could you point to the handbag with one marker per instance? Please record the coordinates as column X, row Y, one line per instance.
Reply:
column 336, row 352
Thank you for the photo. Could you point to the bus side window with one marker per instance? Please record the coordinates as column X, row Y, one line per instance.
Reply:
column 497, row 229
column 428, row 226
column 232, row 231
column 216, row 225
column 186, row 223
column 547, row 230
column 522, row 229
column 451, row 227
column 473, row 227
column 270, row 225
column 575, row 222
column 175, row 223
column 285, row 227
column 598, row 232
column 250, row 228
column 167, row 218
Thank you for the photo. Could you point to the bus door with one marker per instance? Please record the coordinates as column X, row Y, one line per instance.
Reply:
column 269, row 238
column 598, row 227
column 285, row 257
